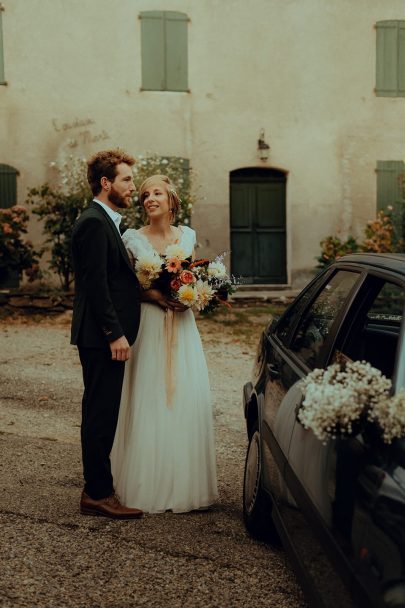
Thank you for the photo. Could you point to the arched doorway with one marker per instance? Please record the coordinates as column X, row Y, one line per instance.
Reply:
column 258, row 225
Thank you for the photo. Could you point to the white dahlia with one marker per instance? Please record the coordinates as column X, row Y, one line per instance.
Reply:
column 187, row 295
column 216, row 270
column 205, row 293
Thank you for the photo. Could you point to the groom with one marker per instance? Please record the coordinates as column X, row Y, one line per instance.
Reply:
column 105, row 323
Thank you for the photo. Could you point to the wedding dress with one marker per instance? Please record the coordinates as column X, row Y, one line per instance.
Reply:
column 163, row 457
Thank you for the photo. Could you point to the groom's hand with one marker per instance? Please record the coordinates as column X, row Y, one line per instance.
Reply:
column 120, row 349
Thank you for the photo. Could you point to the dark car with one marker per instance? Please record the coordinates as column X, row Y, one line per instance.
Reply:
column 338, row 507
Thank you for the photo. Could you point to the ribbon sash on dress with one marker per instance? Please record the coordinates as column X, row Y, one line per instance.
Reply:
column 171, row 337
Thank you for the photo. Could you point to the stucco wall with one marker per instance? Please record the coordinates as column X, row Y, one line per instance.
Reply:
column 303, row 71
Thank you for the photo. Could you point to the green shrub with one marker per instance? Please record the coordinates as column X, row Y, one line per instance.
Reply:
column 58, row 207
column 17, row 255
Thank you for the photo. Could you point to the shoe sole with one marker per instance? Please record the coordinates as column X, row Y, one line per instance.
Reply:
column 84, row 511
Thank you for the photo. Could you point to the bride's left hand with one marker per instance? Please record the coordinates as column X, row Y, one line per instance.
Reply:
column 155, row 296
column 176, row 306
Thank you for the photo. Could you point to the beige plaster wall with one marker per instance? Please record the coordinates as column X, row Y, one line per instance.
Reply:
column 302, row 70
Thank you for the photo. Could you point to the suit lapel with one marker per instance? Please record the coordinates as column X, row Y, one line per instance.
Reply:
column 113, row 227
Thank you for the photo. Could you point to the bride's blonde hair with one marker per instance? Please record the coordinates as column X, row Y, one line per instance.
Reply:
column 174, row 199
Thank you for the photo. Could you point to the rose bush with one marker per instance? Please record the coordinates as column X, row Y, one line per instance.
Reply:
column 17, row 255
column 380, row 236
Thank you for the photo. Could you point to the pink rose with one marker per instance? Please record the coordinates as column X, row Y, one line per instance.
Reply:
column 187, row 277
column 175, row 284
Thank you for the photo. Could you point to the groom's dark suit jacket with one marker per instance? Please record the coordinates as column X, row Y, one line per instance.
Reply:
column 107, row 293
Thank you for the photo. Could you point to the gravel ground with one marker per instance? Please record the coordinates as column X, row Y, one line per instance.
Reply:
column 52, row 556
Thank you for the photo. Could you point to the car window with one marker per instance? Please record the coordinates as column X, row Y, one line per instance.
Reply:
column 388, row 305
column 374, row 334
column 290, row 317
column 315, row 325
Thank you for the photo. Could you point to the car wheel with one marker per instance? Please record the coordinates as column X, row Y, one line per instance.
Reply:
column 257, row 505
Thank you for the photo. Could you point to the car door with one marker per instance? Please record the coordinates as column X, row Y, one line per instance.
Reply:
column 300, row 342
column 369, row 484
column 310, row 321
column 357, row 484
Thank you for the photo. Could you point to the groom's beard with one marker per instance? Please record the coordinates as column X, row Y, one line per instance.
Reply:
column 117, row 199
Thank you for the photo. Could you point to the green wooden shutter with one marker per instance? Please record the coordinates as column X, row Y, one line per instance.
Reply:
column 390, row 60
column 176, row 51
column 387, row 58
column 389, row 191
column 8, row 186
column 2, row 79
column 164, row 51
column 153, row 51
column 401, row 59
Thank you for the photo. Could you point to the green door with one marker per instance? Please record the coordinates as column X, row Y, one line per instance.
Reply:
column 258, row 227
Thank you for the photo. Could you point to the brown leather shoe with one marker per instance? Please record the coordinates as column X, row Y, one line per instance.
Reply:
column 107, row 507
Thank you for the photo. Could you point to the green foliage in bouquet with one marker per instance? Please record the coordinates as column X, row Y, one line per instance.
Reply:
column 180, row 174
column 17, row 255
column 58, row 206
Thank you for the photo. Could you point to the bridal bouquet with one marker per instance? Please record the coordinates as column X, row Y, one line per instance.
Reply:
column 200, row 284
column 340, row 399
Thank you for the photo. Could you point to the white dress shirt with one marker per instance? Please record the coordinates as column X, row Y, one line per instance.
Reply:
column 114, row 215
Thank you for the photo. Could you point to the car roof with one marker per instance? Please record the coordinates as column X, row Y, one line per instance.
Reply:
column 383, row 261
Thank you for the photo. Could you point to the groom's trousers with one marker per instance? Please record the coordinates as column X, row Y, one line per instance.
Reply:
column 102, row 379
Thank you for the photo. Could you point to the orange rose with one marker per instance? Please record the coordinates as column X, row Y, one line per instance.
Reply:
column 187, row 277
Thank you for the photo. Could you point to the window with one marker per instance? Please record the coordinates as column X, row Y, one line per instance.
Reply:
column 317, row 322
column 8, row 186
column 2, row 80
column 391, row 192
column 375, row 331
column 164, row 51
column 290, row 318
column 390, row 63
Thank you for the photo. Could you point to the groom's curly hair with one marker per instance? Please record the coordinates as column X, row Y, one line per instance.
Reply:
column 104, row 164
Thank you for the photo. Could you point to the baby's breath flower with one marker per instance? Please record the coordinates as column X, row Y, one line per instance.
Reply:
column 389, row 413
column 336, row 398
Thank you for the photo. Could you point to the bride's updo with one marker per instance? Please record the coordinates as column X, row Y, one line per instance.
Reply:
column 165, row 183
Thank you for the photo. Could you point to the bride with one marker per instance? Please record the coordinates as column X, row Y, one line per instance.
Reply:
column 163, row 457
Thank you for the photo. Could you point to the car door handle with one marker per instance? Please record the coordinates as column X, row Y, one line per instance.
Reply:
column 273, row 371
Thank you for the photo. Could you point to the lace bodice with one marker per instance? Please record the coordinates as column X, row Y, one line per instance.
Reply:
column 137, row 243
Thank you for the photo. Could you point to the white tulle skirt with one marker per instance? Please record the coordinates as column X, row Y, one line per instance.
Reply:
column 163, row 457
